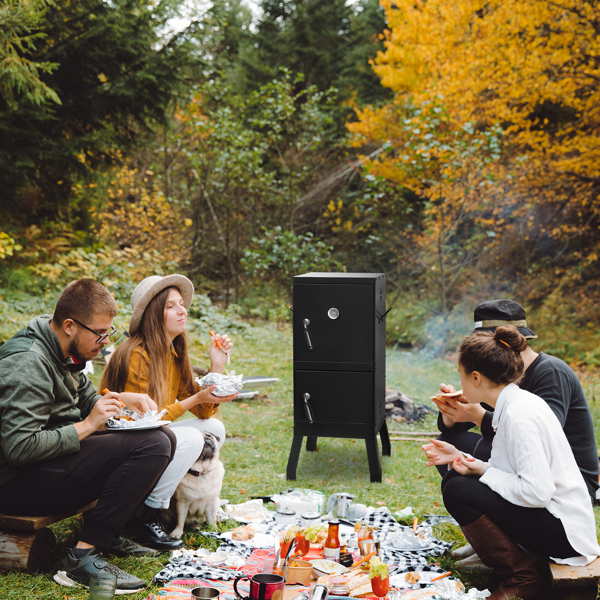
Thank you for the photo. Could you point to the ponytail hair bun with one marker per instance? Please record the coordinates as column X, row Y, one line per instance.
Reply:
column 508, row 335
column 496, row 355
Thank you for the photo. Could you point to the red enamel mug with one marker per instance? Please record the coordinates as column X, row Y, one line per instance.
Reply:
column 262, row 587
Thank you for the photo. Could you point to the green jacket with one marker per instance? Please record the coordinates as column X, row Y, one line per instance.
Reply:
column 41, row 396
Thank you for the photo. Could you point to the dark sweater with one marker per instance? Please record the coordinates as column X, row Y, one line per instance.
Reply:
column 41, row 396
column 555, row 382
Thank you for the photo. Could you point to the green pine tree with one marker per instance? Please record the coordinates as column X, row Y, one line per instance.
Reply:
column 20, row 22
column 309, row 37
column 116, row 74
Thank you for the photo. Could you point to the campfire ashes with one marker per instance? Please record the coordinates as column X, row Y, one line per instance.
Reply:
column 399, row 407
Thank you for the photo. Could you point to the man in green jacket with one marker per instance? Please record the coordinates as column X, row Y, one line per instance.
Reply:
column 54, row 459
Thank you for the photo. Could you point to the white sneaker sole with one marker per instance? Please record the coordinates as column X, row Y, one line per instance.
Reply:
column 62, row 578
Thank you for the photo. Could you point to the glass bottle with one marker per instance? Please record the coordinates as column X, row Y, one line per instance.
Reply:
column 331, row 551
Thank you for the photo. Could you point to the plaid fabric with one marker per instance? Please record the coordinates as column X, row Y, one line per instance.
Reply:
column 187, row 568
column 398, row 560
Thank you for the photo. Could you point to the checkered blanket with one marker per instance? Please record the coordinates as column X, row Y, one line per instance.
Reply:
column 398, row 560
column 186, row 568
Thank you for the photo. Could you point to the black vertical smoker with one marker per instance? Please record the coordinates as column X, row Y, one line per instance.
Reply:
column 339, row 362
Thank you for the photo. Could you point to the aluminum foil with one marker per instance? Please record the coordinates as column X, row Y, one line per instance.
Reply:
column 227, row 385
column 406, row 539
column 220, row 558
column 449, row 589
column 151, row 417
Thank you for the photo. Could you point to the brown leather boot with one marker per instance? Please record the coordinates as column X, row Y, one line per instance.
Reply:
column 518, row 575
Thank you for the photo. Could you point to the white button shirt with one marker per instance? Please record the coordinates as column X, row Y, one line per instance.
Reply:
column 532, row 465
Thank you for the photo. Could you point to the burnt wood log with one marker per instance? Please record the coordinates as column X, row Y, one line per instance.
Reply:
column 26, row 543
column 27, row 551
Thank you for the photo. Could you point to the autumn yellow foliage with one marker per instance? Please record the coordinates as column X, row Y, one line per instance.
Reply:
column 531, row 67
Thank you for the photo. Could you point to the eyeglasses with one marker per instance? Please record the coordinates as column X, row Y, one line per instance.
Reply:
column 101, row 336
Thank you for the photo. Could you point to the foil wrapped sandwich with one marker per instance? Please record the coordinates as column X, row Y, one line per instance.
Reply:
column 227, row 385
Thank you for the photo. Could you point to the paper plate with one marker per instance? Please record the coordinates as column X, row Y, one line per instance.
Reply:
column 260, row 540
column 399, row 580
column 151, row 426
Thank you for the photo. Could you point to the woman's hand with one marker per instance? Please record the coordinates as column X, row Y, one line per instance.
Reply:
column 439, row 453
column 469, row 466
column 139, row 403
column 457, row 410
column 218, row 356
column 207, row 397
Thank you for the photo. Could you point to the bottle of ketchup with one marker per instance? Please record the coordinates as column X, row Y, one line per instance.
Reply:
column 331, row 551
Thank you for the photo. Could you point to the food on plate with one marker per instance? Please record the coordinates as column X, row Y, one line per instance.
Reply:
column 241, row 534
column 412, row 577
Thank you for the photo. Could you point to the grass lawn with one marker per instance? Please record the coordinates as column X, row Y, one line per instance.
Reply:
column 259, row 438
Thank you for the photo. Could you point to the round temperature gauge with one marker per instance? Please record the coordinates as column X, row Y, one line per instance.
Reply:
column 333, row 313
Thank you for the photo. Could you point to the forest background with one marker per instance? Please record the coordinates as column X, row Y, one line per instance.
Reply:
column 452, row 145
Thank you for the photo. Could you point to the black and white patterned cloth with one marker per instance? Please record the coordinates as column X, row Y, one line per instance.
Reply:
column 387, row 524
column 398, row 560
column 186, row 568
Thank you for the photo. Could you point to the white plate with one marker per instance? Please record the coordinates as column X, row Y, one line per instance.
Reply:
column 246, row 521
column 328, row 566
column 152, row 426
column 260, row 540
column 390, row 546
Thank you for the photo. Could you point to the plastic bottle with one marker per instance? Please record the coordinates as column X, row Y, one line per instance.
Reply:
column 331, row 551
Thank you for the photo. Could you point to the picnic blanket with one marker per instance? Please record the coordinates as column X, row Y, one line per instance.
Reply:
column 187, row 567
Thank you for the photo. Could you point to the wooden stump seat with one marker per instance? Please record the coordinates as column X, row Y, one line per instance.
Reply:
column 26, row 543
column 576, row 583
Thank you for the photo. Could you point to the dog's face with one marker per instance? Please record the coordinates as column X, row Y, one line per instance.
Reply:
column 210, row 451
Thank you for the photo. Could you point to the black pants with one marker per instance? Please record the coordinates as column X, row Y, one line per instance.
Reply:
column 467, row 499
column 119, row 469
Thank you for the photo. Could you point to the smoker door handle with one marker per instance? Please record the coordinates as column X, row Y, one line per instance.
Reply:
column 308, row 408
column 306, row 323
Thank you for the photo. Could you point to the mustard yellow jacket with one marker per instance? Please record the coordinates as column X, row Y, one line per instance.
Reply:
column 139, row 375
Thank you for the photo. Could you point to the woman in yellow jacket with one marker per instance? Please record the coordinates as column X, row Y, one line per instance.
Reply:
column 154, row 361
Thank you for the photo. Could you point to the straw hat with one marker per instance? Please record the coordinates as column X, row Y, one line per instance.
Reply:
column 494, row 313
column 149, row 287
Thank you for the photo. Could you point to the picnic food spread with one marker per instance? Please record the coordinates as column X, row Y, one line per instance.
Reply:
column 296, row 554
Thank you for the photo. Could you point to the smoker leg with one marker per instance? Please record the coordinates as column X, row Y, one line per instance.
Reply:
column 293, row 458
column 386, row 446
column 311, row 444
column 374, row 462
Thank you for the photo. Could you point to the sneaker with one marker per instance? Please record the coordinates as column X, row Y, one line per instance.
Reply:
column 121, row 546
column 77, row 572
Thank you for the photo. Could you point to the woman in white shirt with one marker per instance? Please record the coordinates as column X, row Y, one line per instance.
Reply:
column 531, row 492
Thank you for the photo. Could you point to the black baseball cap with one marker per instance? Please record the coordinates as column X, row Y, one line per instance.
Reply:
column 494, row 313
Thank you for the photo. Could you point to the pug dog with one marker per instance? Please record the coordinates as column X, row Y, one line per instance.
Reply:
column 197, row 495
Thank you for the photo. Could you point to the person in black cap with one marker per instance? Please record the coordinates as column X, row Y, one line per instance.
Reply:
column 545, row 376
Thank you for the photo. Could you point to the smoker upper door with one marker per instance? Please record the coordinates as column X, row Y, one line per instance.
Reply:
column 337, row 320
